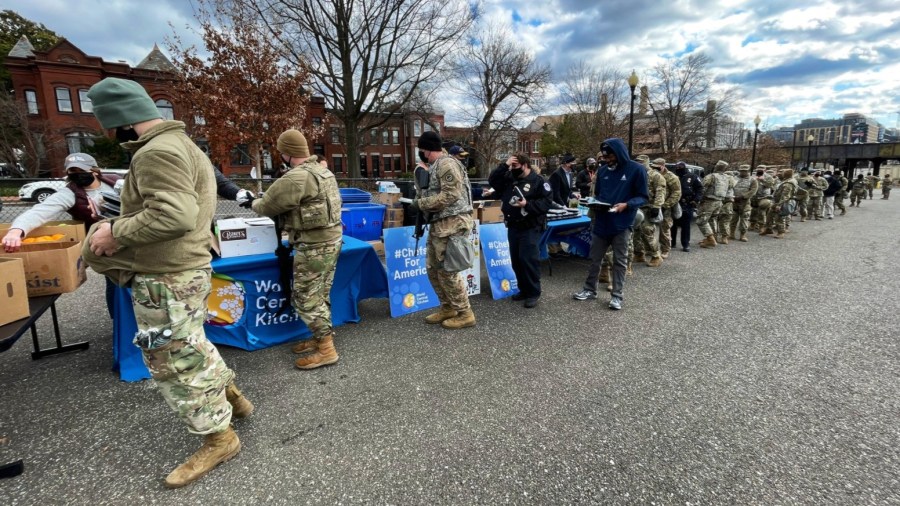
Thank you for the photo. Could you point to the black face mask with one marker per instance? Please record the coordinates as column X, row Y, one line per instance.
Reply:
column 517, row 173
column 680, row 171
column 82, row 179
column 126, row 135
column 423, row 157
column 760, row 173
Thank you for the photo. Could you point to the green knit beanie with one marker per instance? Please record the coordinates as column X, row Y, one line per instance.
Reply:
column 120, row 102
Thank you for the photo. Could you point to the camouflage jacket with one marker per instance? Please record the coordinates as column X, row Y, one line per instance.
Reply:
column 448, row 198
column 819, row 185
column 745, row 187
column 673, row 190
column 656, row 188
column 785, row 192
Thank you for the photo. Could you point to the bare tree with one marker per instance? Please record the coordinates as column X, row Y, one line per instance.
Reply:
column 23, row 138
column 240, row 94
column 685, row 102
column 595, row 101
column 502, row 82
column 367, row 58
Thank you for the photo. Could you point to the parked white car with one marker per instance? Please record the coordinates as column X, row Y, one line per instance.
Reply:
column 38, row 191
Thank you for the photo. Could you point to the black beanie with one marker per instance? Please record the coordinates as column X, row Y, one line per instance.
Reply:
column 430, row 141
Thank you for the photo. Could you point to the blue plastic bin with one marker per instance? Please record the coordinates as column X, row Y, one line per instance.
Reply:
column 355, row 196
column 363, row 221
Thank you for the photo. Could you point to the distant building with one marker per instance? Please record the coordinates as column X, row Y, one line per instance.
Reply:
column 852, row 128
column 782, row 135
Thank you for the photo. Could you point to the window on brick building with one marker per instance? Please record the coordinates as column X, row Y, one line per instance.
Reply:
column 31, row 101
column 363, row 168
column 384, row 137
column 240, row 155
column 165, row 109
column 417, row 128
column 85, row 102
column 396, row 134
column 427, row 127
column 319, row 150
column 335, row 136
column 77, row 141
column 397, row 167
column 63, row 100
column 317, row 121
column 338, row 163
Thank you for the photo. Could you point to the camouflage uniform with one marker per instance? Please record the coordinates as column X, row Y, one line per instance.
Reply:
column 783, row 194
column 188, row 369
column 761, row 201
column 886, row 186
column 815, row 196
column 745, row 187
column 801, row 195
column 449, row 201
column 646, row 242
column 870, row 185
column 715, row 188
column 723, row 221
column 308, row 198
column 673, row 195
column 842, row 194
column 858, row 193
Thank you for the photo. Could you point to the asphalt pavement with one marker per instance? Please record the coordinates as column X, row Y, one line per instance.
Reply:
column 765, row 372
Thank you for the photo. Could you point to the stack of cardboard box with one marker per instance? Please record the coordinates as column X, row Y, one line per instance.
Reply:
column 393, row 214
column 488, row 211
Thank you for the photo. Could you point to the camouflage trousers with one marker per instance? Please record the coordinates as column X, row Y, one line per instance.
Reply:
column 856, row 196
column 740, row 219
column 314, row 266
column 646, row 240
column 706, row 215
column 724, row 218
column 815, row 207
column 775, row 221
column 801, row 207
column 885, row 191
column 665, row 232
column 839, row 201
column 449, row 287
column 188, row 369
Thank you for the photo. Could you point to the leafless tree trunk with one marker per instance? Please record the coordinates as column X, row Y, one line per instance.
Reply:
column 502, row 82
column 685, row 102
column 367, row 57
column 21, row 139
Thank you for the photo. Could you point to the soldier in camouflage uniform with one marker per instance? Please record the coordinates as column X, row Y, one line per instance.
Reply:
column 858, row 193
column 762, row 199
column 842, row 193
column 778, row 215
column 816, row 195
column 160, row 246
column 723, row 221
column 449, row 202
column 886, row 186
column 804, row 184
column 646, row 243
column 308, row 200
column 745, row 188
column 715, row 188
column 673, row 195
column 871, row 181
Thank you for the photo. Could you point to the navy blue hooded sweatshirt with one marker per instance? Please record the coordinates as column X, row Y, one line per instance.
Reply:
column 624, row 182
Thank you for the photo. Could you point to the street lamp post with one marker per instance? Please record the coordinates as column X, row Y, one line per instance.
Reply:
column 756, row 121
column 632, row 83
column 809, row 141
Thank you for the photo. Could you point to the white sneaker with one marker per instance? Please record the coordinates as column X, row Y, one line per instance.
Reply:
column 615, row 303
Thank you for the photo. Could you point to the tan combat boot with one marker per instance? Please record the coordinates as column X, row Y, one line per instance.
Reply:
column 765, row 231
column 639, row 258
column 604, row 274
column 744, row 237
column 779, row 235
column 732, row 237
column 463, row 319
column 724, row 239
column 241, row 407
column 709, row 242
column 655, row 262
column 325, row 355
column 444, row 313
column 217, row 447
column 306, row 346
column 802, row 219
column 628, row 270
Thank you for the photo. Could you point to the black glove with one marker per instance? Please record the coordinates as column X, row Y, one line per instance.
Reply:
column 414, row 206
column 247, row 204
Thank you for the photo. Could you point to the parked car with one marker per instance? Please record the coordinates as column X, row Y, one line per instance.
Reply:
column 693, row 169
column 38, row 191
column 8, row 170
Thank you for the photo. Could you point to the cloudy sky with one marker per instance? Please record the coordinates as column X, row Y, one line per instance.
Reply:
column 791, row 60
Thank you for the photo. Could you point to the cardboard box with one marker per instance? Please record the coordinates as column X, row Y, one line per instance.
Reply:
column 391, row 200
column 51, row 267
column 393, row 224
column 72, row 230
column 245, row 236
column 387, row 187
column 13, row 291
column 393, row 214
column 378, row 246
column 488, row 211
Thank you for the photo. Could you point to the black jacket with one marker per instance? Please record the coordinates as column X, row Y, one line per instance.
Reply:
column 224, row 186
column 691, row 189
column 535, row 190
column 560, row 187
column 834, row 186
column 583, row 182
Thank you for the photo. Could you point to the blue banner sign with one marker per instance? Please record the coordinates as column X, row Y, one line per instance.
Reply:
column 408, row 286
column 495, row 247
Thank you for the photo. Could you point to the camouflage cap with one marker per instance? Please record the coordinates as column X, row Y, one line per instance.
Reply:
column 643, row 160
column 743, row 167
column 658, row 163
column 721, row 163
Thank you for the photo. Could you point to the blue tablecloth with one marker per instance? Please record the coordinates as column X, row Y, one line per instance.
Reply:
column 575, row 232
column 359, row 275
